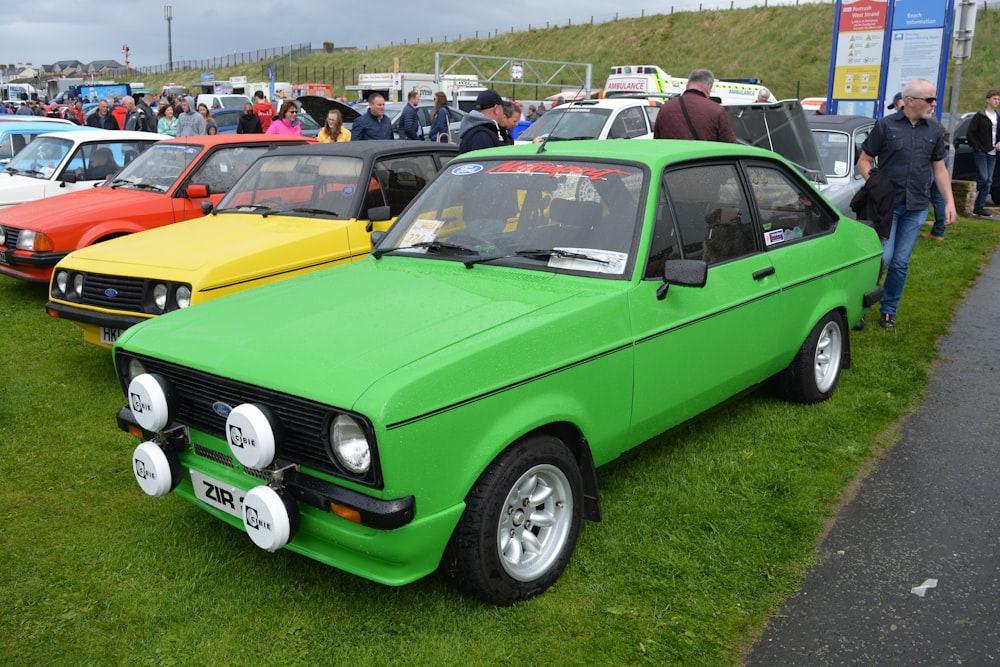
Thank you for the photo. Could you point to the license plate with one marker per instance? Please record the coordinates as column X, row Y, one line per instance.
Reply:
column 218, row 494
column 109, row 335
column 3, row 257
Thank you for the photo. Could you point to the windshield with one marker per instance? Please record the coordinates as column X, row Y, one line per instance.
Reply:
column 157, row 168
column 834, row 149
column 40, row 158
column 568, row 122
column 537, row 213
column 324, row 185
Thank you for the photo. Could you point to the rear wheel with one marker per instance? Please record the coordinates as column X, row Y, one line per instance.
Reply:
column 520, row 525
column 813, row 374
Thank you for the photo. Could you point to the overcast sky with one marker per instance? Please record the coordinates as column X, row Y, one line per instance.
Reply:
column 47, row 31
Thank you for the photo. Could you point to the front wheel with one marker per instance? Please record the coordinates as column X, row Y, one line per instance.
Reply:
column 520, row 525
column 813, row 374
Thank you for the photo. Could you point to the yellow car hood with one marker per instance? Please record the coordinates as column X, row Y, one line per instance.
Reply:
column 226, row 250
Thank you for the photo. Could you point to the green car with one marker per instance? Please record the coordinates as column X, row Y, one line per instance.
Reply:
column 534, row 313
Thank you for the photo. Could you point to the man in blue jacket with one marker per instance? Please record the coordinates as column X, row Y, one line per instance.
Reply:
column 409, row 123
column 373, row 123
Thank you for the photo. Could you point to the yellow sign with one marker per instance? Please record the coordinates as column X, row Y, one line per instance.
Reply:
column 858, row 82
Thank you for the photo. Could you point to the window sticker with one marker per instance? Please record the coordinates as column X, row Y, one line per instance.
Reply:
column 554, row 170
column 775, row 236
column 348, row 190
column 467, row 169
column 422, row 231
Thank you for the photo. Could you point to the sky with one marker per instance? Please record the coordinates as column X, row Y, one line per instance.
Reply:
column 47, row 31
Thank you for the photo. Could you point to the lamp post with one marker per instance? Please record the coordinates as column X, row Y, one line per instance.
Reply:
column 168, row 14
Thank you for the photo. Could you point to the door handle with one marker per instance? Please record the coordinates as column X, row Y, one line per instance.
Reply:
column 763, row 273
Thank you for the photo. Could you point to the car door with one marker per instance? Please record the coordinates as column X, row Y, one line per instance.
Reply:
column 700, row 345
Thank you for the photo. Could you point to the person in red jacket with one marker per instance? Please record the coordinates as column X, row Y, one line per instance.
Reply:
column 264, row 110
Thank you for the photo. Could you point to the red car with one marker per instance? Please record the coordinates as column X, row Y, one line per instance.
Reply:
column 159, row 187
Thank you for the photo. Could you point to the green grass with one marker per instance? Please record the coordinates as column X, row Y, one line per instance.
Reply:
column 707, row 530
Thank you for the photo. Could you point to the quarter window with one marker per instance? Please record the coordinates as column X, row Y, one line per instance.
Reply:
column 787, row 211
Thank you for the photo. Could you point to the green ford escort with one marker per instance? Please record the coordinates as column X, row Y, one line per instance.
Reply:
column 534, row 313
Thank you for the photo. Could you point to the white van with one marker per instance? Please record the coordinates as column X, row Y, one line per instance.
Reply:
column 232, row 101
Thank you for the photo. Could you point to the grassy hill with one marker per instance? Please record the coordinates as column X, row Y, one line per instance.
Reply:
column 789, row 47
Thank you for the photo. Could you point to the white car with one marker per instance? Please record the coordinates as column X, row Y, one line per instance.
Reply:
column 610, row 118
column 61, row 162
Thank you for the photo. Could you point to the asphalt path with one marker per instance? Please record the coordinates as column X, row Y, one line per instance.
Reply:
column 910, row 572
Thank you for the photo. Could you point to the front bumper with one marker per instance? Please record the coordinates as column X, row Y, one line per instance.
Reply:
column 35, row 267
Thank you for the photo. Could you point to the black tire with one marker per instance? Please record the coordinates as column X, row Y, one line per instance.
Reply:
column 814, row 373
column 521, row 523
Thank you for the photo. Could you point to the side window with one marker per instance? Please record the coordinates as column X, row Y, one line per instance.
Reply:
column 629, row 123
column 712, row 213
column 859, row 140
column 221, row 170
column 651, row 112
column 403, row 177
column 664, row 245
column 787, row 210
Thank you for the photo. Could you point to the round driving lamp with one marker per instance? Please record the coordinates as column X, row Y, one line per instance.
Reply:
column 62, row 281
column 160, row 296
column 78, row 284
column 183, row 296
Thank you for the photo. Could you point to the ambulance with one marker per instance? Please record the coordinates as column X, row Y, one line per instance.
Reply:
column 651, row 81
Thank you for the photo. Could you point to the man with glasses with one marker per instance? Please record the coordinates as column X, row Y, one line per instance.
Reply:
column 910, row 151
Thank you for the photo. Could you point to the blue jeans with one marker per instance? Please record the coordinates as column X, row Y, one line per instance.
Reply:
column 985, row 164
column 896, row 251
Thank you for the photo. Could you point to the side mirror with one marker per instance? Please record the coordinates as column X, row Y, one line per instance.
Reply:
column 68, row 177
column 377, row 237
column 687, row 272
column 207, row 206
column 379, row 213
column 196, row 191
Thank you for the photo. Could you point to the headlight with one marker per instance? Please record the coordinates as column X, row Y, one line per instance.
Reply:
column 134, row 369
column 78, row 284
column 61, row 283
column 350, row 446
column 3, row 236
column 160, row 296
column 183, row 296
column 34, row 241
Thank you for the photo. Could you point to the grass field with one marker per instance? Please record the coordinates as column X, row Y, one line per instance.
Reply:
column 707, row 529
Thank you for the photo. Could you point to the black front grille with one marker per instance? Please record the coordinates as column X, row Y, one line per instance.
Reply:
column 11, row 237
column 303, row 422
column 113, row 292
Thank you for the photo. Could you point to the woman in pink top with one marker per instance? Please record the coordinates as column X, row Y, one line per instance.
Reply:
column 285, row 122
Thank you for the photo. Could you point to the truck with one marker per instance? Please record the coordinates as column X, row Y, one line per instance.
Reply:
column 394, row 86
column 651, row 81
column 98, row 91
column 56, row 87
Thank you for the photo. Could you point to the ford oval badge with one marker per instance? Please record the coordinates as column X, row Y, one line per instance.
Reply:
column 221, row 409
column 111, row 292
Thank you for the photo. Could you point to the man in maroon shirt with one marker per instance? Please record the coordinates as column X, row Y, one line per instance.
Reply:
column 693, row 115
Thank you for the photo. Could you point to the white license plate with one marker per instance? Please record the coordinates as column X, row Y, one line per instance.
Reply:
column 3, row 257
column 218, row 494
column 109, row 335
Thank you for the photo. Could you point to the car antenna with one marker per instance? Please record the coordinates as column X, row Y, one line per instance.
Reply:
column 541, row 149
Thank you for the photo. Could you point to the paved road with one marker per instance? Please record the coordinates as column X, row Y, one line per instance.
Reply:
column 910, row 573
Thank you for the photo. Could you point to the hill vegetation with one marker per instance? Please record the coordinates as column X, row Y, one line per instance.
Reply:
column 789, row 47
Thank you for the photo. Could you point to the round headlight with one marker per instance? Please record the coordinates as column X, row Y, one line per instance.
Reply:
column 350, row 446
column 3, row 236
column 62, row 281
column 160, row 296
column 183, row 296
column 78, row 284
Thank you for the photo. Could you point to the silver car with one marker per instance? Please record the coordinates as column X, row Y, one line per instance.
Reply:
column 838, row 141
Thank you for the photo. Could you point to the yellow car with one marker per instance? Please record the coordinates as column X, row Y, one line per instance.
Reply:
column 296, row 209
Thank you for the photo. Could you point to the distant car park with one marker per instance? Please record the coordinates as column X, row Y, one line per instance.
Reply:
column 610, row 118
